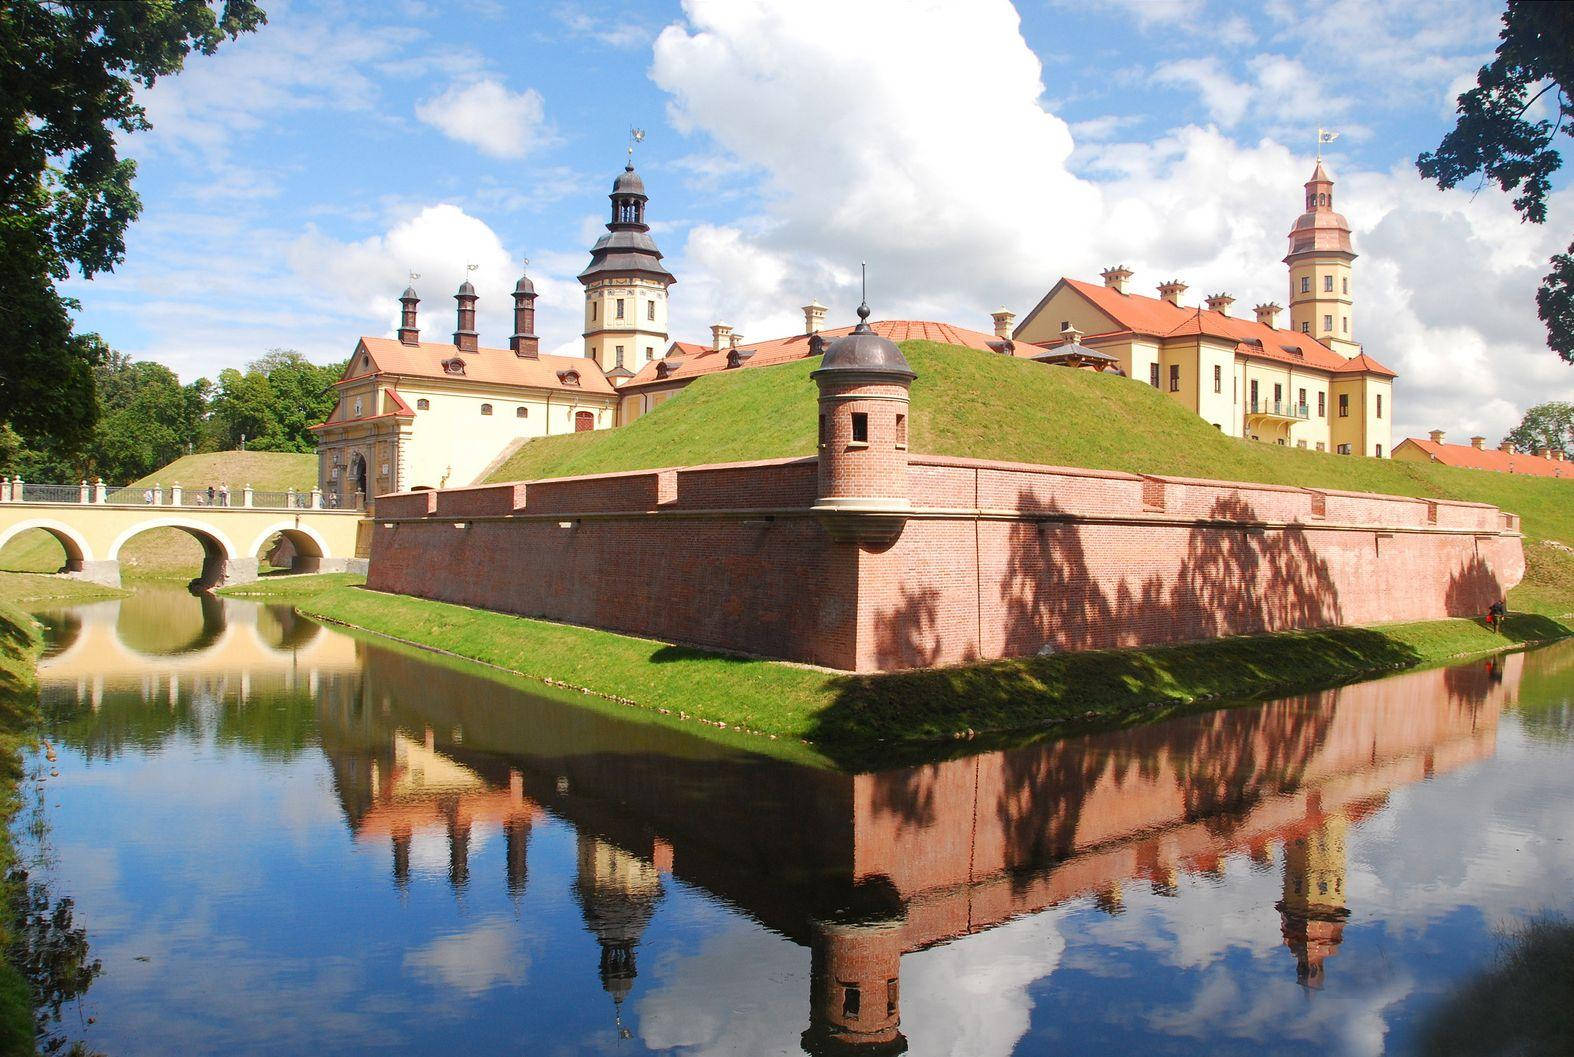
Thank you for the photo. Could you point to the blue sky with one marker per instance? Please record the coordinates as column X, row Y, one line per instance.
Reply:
column 971, row 152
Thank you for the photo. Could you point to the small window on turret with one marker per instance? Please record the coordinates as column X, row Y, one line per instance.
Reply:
column 1306, row 284
column 620, row 308
column 1328, row 284
column 592, row 311
column 650, row 310
column 901, row 431
column 860, row 427
column 850, row 1002
column 822, row 431
column 1347, row 285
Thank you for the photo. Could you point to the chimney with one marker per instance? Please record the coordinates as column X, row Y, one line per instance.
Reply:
column 1543, row 453
column 465, row 338
column 719, row 335
column 1171, row 291
column 1478, row 443
column 1220, row 303
column 1268, row 314
column 1507, row 446
column 524, row 341
column 1115, row 278
column 734, row 339
column 813, row 317
column 1003, row 319
column 1558, row 455
column 1070, row 335
column 408, row 333
column 1437, row 436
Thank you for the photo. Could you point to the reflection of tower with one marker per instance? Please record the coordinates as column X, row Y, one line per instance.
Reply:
column 401, row 856
column 854, row 983
column 617, row 893
column 1313, row 911
column 458, row 843
column 516, row 834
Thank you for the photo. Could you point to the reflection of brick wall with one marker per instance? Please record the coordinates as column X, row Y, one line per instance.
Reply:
column 1000, row 559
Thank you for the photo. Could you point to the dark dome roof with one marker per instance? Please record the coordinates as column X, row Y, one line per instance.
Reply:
column 524, row 286
column 864, row 352
column 409, row 294
column 628, row 182
column 465, row 289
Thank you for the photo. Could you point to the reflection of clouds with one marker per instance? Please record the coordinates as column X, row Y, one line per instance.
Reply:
column 744, row 990
column 488, row 954
column 969, row 998
column 429, row 848
column 1201, row 924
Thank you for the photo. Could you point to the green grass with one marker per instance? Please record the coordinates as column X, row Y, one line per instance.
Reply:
column 970, row 404
column 852, row 719
column 292, row 588
column 20, row 645
column 29, row 589
column 171, row 553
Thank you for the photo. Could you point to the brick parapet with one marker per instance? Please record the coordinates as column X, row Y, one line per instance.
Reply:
column 997, row 559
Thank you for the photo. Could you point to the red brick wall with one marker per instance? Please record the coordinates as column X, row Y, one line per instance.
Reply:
column 1054, row 558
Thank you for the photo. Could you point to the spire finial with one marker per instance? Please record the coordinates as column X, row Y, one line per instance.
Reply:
column 636, row 135
column 1324, row 135
column 863, row 306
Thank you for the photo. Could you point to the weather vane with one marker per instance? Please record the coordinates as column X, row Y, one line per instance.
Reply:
column 1324, row 135
column 636, row 135
column 863, row 269
column 414, row 276
column 471, row 267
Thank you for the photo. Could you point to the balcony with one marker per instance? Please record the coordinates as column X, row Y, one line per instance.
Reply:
column 1278, row 411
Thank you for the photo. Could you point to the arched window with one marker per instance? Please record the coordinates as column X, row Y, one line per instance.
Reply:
column 584, row 422
column 521, row 412
column 423, row 404
column 486, row 409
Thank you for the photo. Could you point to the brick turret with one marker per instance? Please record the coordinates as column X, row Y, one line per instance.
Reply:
column 524, row 341
column 409, row 334
column 855, row 980
column 863, row 382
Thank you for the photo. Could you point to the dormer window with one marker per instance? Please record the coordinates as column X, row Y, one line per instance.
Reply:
column 454, row 365
column 486, row 409
column 423, row 404
column 570, row 378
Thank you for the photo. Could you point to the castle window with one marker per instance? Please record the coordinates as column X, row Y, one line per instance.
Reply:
column 1328, row 322
column 822, row 431
column 357, row 407
column 1153, row 375
column 1343, row 449
column 619, row 352
column 1300, row 444
column 1174, row 377
column 1278, row 393
column 1306, row 284
column 1254, row 394
column 620, row 308
column 1306, row 328
column 584, row 422
column 650, row 310
column 592, row 311
column 1328, row 284
column 486, row 409
column 850, row 1002
column 1322, row 405
column 423, row 404
column 1344, row 322
column 860, row 427
column 568, row 378
column 1065, row 324
column 1347, row 284
column 1344, row 408
column 650, row 353
column 901, row 431
column 521, row 412
column 1379, row 405
column 1379, row 451
column 1218, row 379
column 1322, row 447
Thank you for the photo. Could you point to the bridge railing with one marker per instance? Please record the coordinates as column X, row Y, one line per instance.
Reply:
column 15, row 490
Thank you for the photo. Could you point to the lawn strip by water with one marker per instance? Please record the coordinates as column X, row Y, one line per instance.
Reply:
column 20, row 646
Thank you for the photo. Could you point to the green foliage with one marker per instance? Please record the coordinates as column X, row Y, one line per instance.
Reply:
column 70, row 71
column 1495, row 136
column 1520, row 1005
column 273, row 404
column 1549, row 425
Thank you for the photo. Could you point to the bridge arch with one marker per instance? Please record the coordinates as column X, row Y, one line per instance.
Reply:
column 70, row 540
column 305, row 539
column 215, row 544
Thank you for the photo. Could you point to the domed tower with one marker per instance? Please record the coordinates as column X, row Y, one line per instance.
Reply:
column 409, row 332
column 1312, row 911
column 855, row 966
column 863, row 381
column 1319, row 263
column 617, row 893
column 626, row 287
column 465, row 337
column 524, row 342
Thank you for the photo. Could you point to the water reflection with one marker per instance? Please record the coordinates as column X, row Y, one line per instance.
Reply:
column 866, row 871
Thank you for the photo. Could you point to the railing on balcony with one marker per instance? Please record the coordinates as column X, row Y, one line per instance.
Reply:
column 1279, row 409
column 220, row 496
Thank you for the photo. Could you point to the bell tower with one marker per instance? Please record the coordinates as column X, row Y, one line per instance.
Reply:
column 1314, row 906
column 1319, row 263
column 626, row 286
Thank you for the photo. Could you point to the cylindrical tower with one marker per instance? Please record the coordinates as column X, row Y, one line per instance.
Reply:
column 465, row 338
column 409, row 334
column 524, row 341
column 863, row 382
column 855, row 989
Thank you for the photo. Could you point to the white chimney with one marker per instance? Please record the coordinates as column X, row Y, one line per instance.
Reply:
column 1115, row 278
column 1478, row 443
column 720, row 335
column 1220, row 303
column 1268, row 314
column 1171, row 291
column 1003, row 319
column 813, row 317
column 1437, row 436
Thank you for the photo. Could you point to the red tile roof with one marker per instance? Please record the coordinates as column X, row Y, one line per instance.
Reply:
column 687, row 360
column 1491, row 459
column 1155, row 317
column 487, row 366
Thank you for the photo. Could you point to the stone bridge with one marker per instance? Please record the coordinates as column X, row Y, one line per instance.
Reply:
column 93, row 524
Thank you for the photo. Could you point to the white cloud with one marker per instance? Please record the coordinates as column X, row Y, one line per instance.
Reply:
column 1225, row 97
column 489, row 117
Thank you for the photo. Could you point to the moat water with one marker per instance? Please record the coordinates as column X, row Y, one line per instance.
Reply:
column 280, row 839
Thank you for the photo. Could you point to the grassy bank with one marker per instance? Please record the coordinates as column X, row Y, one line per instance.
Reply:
column 30, row 589
column 291, row 588
column 967, row 403
column 844, row 715
column 20, row 645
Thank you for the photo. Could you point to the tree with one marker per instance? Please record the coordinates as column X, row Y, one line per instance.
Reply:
column 1496, row 137
column 69, row 70
column 1549, row 425
column 273, row 403
column 147, row 419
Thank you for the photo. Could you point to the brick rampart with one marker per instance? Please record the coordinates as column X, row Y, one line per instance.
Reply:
column 996, row 560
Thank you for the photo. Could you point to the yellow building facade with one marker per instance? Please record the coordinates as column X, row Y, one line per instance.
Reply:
column 1310, row 386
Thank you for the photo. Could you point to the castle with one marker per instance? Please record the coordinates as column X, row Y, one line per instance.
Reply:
column 417, row 414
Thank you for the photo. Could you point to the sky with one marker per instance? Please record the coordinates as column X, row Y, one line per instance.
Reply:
column 972, row 152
